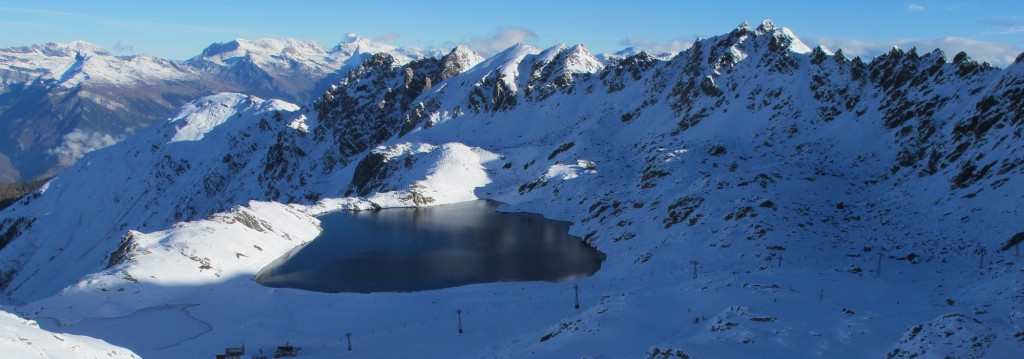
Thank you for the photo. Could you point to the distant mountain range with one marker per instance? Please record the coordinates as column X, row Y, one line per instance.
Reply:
column 59, row 101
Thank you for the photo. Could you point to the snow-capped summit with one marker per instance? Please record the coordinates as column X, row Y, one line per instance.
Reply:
column 290, row 69
column 263, row 51
column 357, row 48
column 610, row 58
column 198, row 118
column 69, row 65
column 82, row 46
column 743, row 26
column 576, row 59
column 505, row 64
column 823, row 49
column 460, row 59
column 285, row 68
column 783, row 35
column 580, row 60
column 558, row 67
column 765, row 27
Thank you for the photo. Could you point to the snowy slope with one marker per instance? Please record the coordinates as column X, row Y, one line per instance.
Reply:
column 781, row 177
column 32, row 342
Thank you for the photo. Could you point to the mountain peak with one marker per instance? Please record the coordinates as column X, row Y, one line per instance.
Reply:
column 277, row 45
column 785, row 36
column 766, row 26
column 460, row 59
column 52, row 49
column 579, row 59
column 823, row 50
column 203, row 115
column 266, row 46
column 549, row 54
column 745, row 26
column 574, row 59
column 521, row 46
column 513, row 54
column 580, row 48
column 85, row 47
column 462, row 50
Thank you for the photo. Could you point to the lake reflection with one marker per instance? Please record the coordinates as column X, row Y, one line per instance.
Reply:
column 412, row 249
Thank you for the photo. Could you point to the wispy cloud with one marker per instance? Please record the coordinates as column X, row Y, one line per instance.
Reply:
column 387, row 38
column 25, row 24
column 77, row 143
column 994, row 53
column 122, row 47
column 672, row 45
column 502, row 39
column 135, row 25
column 1005, row 25
column 41, row 12
column 169, row 27
column 915, row 7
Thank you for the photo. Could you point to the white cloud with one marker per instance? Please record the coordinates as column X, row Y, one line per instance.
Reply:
column 77, row 143
column 502, row 39
column 1010, row 30
column 994, row 53
column 387, row 38
column 915, row 8
column 1005, row 25
column 672, row 45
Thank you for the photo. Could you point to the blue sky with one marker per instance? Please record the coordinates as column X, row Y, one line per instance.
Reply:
column 988, row 30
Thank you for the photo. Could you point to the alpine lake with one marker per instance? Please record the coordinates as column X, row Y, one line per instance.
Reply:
column 416, row 249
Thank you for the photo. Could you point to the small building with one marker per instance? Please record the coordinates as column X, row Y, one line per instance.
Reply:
column 234, row 353
column 284, row 351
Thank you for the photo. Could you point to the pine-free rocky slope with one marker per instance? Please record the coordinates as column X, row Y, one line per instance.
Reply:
column 747, row 191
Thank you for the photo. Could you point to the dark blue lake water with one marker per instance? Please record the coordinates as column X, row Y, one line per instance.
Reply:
column 413, row 249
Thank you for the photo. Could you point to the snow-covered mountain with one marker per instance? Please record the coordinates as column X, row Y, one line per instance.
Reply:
column 746, row 191
column 59, row 101
column 70, row 65
column 289, row 69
